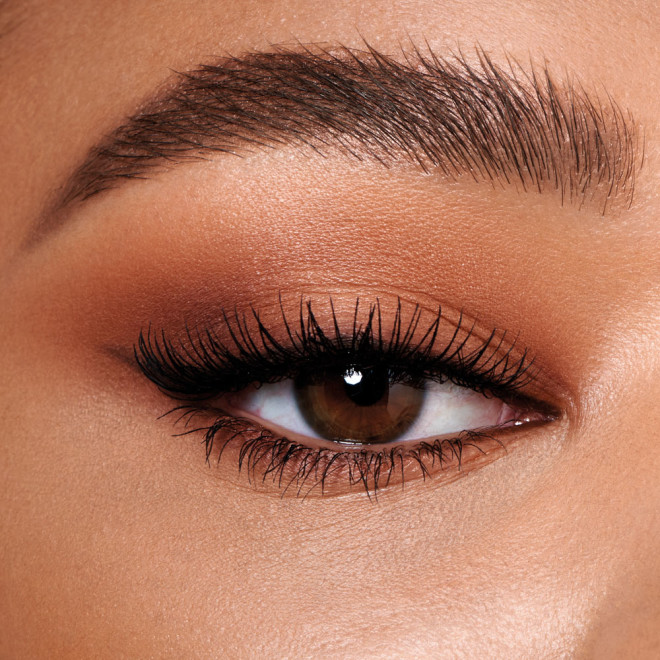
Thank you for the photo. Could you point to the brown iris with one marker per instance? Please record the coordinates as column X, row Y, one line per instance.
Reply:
column 358, row 405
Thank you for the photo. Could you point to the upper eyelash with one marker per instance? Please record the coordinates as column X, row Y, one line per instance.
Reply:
column 202, row 365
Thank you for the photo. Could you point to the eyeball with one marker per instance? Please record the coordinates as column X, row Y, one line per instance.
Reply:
column 364, row 406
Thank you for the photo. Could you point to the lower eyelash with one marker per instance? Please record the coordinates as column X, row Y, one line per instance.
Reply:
column 270, row 459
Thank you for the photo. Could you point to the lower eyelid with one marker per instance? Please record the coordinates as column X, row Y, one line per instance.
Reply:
column 280, row 466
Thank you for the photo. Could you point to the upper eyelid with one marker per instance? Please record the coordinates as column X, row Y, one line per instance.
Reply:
column 254, row 354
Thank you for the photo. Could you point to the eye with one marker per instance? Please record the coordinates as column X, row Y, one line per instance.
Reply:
column 359, row 406
column 342, row 399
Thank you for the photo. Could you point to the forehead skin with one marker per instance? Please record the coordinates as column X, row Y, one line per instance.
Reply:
column 106, row 553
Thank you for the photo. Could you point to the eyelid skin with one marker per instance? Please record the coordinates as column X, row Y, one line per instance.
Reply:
column 198, row 369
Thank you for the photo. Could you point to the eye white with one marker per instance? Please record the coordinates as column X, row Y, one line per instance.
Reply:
column 446, row 409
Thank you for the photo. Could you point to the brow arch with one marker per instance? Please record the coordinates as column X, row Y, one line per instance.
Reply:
column 457, row 115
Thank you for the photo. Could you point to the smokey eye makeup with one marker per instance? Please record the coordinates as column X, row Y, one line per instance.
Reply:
column 326, row 397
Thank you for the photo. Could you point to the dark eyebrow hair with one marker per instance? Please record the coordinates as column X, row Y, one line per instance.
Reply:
column 490, row 122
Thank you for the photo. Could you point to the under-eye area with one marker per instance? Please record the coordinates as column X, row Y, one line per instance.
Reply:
column 326, row 396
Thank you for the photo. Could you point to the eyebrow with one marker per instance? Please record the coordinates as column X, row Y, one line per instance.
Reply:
column 447, row 114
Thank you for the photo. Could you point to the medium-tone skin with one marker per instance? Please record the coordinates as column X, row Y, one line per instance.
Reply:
column 119, row 541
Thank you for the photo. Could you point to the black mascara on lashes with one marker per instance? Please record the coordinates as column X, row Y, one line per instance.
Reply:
column 203, row 365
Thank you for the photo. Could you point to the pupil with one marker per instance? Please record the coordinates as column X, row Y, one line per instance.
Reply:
column 366, row 387
column 358, row 405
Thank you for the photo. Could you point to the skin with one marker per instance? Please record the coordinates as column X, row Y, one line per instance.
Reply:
column 119, row 541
